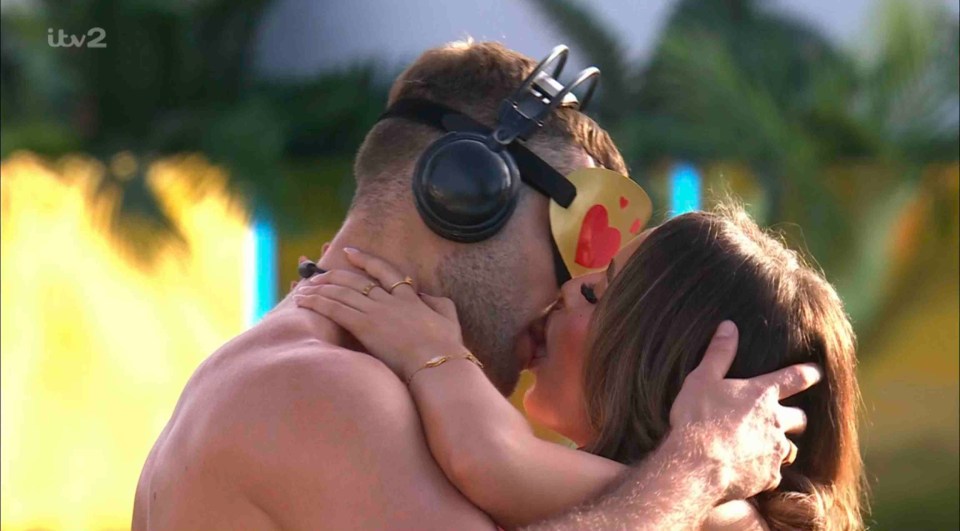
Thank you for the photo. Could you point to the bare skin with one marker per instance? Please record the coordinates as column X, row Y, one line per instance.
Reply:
column 266, row 436
column 292, row 426
column 490, row 453
column 288, row 427
column 253, row 445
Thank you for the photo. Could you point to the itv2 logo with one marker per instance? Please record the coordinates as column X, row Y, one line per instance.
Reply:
column 97, row 35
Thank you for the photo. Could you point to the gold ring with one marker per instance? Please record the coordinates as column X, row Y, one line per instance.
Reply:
column 408, row 281
column 791, row 455
column 369, row 288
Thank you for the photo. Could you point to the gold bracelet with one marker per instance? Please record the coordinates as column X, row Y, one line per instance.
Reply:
column 440, row 360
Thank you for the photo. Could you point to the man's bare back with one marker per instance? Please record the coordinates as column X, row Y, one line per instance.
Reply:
column 280, row 429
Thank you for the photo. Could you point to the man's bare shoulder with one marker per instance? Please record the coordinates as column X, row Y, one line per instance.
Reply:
column 310, row 386
column 317, row 431
column 313, row 361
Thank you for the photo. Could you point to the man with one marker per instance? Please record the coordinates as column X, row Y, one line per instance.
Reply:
column 291, row 426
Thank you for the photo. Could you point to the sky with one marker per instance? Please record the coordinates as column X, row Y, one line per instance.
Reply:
column 304, row 37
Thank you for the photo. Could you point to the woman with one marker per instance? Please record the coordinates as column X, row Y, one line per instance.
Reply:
column 610, row 359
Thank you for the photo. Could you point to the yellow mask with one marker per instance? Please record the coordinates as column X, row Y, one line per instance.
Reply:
column 609, row 211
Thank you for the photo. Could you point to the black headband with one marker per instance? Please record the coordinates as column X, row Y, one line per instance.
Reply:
column 533, row 170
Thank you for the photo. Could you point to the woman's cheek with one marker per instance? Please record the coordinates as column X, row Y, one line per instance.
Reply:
column 556, row 400
column 567, row 363
column 574, row 338
column 557, row 390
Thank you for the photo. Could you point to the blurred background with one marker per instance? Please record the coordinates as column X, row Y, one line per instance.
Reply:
column 164, row 162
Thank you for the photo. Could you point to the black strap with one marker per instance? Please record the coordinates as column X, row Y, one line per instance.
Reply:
column 533, row 170
column 559, row 266
column 421, row 111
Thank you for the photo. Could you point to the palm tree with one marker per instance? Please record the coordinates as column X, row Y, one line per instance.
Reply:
column 731, row 80
column 177, row 77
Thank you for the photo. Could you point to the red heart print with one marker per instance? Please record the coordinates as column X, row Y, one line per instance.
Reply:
column 635, row 227
column 623, row 202
column 598, row 242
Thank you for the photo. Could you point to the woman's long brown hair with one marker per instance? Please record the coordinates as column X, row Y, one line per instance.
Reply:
column 691, row 273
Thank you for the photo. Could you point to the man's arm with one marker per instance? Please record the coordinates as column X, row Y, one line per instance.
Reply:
column 727, row 442
column 492, row 456
column 675, row 487
column 489, row 451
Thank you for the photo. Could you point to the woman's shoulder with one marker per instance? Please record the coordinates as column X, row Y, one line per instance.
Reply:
column 737, row 515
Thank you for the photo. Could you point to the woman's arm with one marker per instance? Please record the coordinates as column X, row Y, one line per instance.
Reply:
column 491, row 454
column 482, row 443
column 487, row 449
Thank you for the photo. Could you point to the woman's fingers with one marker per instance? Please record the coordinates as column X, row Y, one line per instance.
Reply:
column 441, row 305
column 342, row 314
column 384, row 272
column 342, row 294
column 350, row 279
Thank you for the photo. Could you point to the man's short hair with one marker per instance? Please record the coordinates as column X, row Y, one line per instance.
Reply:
column 481, row 278
column 473, row 78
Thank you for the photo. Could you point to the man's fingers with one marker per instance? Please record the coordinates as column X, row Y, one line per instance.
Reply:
column 775, row 482
column 791, row 380
column 792, row 419
column 720, row 353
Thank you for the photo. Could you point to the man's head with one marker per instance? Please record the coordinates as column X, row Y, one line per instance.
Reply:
column 504, row 282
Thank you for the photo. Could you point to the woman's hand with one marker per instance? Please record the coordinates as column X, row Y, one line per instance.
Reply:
column 397, row 325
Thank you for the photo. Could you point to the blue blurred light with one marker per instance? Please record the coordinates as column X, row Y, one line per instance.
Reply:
column 685, row 193
column 265, row 269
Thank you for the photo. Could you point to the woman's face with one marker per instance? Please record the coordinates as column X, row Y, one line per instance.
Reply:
column 556, row 398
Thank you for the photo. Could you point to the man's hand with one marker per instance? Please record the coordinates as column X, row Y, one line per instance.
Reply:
column 727, row 441
column 740, row 424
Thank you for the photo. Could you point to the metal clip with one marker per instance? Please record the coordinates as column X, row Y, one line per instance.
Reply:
column 540, row 93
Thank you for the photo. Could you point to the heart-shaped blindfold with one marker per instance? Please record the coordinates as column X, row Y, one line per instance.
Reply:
column 609, row 211
column 594, row 212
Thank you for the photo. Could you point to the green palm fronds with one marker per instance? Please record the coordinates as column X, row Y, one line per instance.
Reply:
column 736, row 80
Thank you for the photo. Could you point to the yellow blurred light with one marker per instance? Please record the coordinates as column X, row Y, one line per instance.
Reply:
column 95, row 349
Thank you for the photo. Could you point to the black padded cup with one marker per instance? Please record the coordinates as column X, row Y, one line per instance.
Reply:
column 463, row 190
